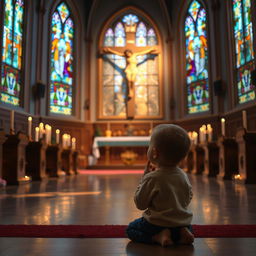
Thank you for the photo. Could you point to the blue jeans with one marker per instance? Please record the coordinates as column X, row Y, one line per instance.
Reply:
column 142, row 231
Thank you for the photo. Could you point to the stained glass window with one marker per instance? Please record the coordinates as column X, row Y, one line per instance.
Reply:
column 243, row 35
column 61, row 72
column 196, row 59
column 130, row 31
column 10, row 89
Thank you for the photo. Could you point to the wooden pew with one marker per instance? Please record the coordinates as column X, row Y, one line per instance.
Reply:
column 246, row 155
column 14, row 159
column 53, row 161
column 228, row 160
column 198, row 159
column 211, row 159
column 36, row 160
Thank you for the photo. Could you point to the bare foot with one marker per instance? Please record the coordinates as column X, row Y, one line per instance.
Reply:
column 163, row 238
column 186, row 237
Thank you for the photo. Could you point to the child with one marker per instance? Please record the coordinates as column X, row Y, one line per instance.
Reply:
column 164, row 191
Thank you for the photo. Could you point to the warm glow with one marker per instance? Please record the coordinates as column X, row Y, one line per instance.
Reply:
column 57, row 131
column 37, row 129
column 223, row 120
column 30, row 118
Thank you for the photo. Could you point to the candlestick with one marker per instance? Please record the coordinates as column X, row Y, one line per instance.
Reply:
column 57, row 136
column 41, row 130
column 37, row 134
column 244, row 119
column 74, row 143
column 209, row 132
column 29, row 127
column 223, row 132
column 12, row 122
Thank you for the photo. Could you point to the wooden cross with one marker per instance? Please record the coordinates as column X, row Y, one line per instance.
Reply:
column 130, row 52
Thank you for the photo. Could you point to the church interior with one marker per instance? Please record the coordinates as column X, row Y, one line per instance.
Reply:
column 84, row 84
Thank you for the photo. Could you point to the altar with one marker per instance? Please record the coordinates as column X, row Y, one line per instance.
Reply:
column 126, row 150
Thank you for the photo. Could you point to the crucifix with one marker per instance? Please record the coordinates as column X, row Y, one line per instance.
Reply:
column 130, row 52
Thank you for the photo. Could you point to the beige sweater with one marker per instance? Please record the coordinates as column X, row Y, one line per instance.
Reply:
column 165, row 195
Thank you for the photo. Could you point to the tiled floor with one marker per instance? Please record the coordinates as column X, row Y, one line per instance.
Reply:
column 108, row 199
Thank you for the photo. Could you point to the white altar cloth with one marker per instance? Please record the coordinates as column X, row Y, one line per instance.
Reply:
column 119, row 141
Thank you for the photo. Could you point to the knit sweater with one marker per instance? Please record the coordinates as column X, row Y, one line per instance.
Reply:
column 165, row 194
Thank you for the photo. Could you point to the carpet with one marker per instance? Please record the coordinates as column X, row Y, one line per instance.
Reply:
column 116, row 231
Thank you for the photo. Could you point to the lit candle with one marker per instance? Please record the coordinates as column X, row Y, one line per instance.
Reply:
column 74, row 143
column 29, row 127
column 57, row 136
column 244, row 119
column 195, row 137
column 68, row 140
column 223, row 126
column 12, row 121
column 48, row 133
column 37, row 134
column 209, row 132
column 64, row 140
column 41, row 130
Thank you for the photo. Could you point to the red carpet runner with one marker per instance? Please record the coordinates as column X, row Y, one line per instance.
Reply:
column 115, row 231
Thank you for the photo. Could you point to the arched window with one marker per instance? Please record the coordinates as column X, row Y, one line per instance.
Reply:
column 12, row 51
column 243, row 36
column 129, row 64
column 61, row 70
column 196, row 58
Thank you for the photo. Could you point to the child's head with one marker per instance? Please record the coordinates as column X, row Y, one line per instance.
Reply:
column 169, row 144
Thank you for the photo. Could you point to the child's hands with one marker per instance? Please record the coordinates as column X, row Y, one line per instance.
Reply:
column 149, row 168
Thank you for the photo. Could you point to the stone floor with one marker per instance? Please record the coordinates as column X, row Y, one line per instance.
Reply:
column 108, row 199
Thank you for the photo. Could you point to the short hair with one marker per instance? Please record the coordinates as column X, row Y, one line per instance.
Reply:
column 171, row 141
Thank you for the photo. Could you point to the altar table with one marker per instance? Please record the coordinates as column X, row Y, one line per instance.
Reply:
column 119, row 141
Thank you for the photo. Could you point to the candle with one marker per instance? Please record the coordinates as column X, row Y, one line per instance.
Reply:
column 48, row 133
column 64, row 140
column 41, row 130
column 244, row 119
column 108, row 126
column 74, row 143
column 29, row 127
column 209, row 132
column 12, row 121
column 37, row 134
column 68, row 140
column 57, row 136
column 195, row 137
column 223, row 126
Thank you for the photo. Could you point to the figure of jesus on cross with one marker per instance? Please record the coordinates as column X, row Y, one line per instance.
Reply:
column 130, row 53
column 131, row 69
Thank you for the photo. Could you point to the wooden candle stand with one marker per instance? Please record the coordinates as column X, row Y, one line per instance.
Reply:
column 211, row 159
column 53, row 160
column 246, row 155
column 66, row 161
column 14, row 159
column 198, row 153
column 228, row 160
column 75, row 161
column 36, row 160
column 3, row 138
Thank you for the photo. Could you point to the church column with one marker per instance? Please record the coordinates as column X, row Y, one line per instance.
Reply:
column 88, row 47
column 216, row 6
column 41, row 12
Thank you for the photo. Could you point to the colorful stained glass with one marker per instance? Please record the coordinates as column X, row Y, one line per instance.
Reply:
column 114, row 82
column 152, row 39
column 61, row 91
column 141, row 35
column 243, row 35
column 109, row 38
column 196, row 58
column 119, row 35
column 130, row 19
column 12, row 52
